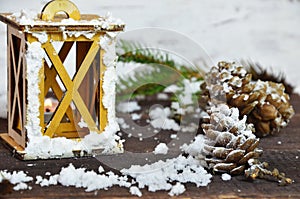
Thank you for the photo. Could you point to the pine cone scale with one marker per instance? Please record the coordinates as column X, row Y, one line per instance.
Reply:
column 235, row 156
column 238, row 170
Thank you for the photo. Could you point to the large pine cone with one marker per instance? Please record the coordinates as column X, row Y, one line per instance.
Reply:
column 265, row 103
column 231, row 142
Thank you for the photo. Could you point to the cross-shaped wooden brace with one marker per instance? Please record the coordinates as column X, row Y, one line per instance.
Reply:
column 50, row 82
column 71, row 92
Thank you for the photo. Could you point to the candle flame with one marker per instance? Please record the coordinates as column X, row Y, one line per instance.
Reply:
column 48, row 105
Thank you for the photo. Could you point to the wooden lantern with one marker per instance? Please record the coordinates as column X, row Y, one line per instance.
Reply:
column 79, row 95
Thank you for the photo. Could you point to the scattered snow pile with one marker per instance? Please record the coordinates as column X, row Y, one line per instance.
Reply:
column 135, row 116
column 80, row 178
column 100, row 169
column 107, row 141
column 177, row 189
column 185, row 92
column 162, row 174
column 135, row 191
column 161, row 148
column 160, row 119
column 226, row 177
column 195, row 148
column 47, row 182
column 128, row 107
column 19, row 179
column 162, row 96
column 169, row 175
column 122, row 123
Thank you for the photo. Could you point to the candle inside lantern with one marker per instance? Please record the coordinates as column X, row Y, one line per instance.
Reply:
column 49, row 108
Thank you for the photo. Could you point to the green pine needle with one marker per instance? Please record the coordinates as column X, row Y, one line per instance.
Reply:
column 135, row 52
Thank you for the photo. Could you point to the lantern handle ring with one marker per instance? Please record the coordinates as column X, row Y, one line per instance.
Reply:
column 53, row 7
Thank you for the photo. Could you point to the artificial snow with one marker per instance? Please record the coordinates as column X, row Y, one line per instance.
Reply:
column 122, row 123
column 31, row 18
column 191, row 127
column 107, row 141
column 190, row 88
column 76, row 34
column 47, row 173
column 100, row 169
column 162, row 96
column 135, row 116
column 25, row 17
column 18, row 179
column 129, row 70
column 169, row 175
column 160, row 119
column 43, row 182
column 34, row 58
column 172, row 89
column 41, row 36
column 160, row 175
column 195, row 148
column 109, row 81
column 226, row 177
column 128, row 107
column 82, row 124
column 161, row 148
column 90, row 180
column 21, row 186
column 177, row 189
column 135, row 191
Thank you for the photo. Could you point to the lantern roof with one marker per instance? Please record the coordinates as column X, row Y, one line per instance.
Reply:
column 28, row 21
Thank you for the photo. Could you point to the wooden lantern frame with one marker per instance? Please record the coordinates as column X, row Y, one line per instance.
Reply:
column 90, row 68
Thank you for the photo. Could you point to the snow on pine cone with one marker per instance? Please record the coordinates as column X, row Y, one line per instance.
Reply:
column 265, row 103
column 230, row 141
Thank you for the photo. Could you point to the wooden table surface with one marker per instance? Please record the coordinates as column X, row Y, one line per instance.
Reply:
column 281, row 151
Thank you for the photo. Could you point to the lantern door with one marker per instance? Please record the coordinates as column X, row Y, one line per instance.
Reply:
column 16, row 103
column 79, row 108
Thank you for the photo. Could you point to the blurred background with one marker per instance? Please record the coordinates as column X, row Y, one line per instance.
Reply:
column 264, row 31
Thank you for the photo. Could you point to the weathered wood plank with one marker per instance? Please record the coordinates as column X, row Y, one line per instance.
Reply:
column 284, row 156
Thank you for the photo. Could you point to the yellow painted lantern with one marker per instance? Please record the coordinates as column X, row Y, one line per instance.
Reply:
column 61, row 73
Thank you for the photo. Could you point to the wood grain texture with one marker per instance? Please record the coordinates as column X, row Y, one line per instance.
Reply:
column 280, row 150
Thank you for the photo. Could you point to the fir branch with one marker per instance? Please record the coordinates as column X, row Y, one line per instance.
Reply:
column 135, row 52
column 147, row 83
column 128, row 51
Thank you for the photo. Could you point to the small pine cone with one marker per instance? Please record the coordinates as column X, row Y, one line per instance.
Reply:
column 231, row 142
column 265, row 103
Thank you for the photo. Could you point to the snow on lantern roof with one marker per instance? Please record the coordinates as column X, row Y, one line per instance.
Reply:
column 32, row 21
